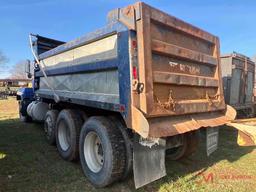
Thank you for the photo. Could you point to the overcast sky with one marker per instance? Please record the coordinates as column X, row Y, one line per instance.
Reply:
column 233, row 21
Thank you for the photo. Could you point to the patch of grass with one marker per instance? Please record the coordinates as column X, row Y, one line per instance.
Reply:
column 8, row 109
column 28, row 163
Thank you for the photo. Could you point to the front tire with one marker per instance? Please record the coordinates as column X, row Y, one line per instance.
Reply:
column 24, row 117
column 102, row 151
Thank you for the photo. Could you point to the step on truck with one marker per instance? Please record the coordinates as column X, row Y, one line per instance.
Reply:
column 124, row 96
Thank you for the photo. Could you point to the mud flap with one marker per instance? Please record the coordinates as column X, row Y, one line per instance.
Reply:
column 148, row 162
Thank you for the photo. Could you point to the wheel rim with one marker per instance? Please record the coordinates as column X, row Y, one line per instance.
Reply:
column 93, row 152
column 64, row 136
column 48, row 126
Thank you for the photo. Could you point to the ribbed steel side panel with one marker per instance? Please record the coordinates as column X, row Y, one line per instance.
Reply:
column 238, row 78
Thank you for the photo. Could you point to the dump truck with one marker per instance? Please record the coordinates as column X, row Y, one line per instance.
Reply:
column 124, row 96
column 238, row 73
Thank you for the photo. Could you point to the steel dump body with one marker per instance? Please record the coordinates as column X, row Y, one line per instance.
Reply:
column 177, row 59
column 162, row 74
column 238, row 73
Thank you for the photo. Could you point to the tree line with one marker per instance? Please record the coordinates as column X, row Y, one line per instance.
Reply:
column 16, row 71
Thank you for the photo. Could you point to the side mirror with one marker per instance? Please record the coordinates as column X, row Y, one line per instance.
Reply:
column 27, row 69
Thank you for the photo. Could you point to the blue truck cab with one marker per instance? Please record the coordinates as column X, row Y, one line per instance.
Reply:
column 25, row 96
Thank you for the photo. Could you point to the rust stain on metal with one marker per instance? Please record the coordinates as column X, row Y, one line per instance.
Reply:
column 163, row 127
column 160, row 55
column 169, row 104
column 179, row 68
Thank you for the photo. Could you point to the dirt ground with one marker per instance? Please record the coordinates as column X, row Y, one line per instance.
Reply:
column 28, row 163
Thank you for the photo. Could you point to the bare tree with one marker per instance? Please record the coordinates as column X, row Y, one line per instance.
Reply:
column 3, row 58
column 3, row 61
column 254, row 58
column 18, row 70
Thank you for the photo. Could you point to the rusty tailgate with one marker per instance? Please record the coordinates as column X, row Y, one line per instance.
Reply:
column 179, row 67
column 178, row 64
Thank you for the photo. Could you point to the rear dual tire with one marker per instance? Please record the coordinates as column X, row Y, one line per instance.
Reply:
column 189, row 146
column 102, row 151
column 50, row 126
column 100, row 143
column 68, row 126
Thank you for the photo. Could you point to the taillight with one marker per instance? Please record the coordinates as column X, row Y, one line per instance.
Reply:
column 134, row 72
column 134, row 44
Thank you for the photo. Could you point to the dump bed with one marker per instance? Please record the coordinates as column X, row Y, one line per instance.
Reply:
column 179, row 65
column 162, row 74
column 238, row 73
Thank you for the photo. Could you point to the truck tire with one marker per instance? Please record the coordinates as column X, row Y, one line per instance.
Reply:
column 68, row 128
column 102, row 151
column 177, row 152
column 82, row 115
column 50, row 126
column 24, row 117
column 192, row 142
column 128, row 146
